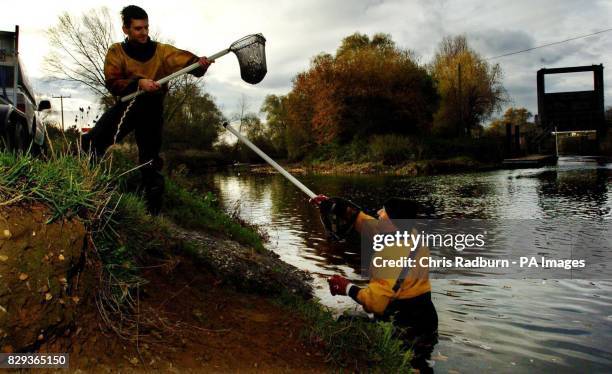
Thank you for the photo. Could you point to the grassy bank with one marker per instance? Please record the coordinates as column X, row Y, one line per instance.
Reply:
column 352, row 342
column 412, row 168
column 124, row 241
column 343, row 167
column 406, row 155
column 103, row 197
column 379, row 154
column 384, row 154
column 107, row 192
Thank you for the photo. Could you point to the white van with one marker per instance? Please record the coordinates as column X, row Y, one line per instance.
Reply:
column 20, row 125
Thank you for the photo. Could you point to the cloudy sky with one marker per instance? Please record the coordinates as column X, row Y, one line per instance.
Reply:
column 297, row 31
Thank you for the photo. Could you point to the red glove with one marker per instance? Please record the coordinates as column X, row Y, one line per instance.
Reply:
column 317, row 200
column 204, row 63
column 338, row 285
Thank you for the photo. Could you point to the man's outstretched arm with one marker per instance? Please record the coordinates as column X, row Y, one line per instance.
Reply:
column 175, row 59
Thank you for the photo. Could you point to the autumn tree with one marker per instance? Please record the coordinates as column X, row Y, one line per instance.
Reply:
column 242, row 112
column 470, row 88
column 514, row 116
column 253, row 126
column 370, row 86
column 300, row 109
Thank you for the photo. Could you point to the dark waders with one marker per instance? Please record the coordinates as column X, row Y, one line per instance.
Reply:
column 145, row 117
column 417, row 322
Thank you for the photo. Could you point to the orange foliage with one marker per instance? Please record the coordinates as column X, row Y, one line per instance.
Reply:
column 369, row 87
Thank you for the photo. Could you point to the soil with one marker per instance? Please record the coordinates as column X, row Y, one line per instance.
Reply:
column 190, row 322
column 188, row 315
column 39, row 279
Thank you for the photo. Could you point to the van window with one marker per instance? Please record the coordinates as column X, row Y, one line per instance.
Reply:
column 6, row 76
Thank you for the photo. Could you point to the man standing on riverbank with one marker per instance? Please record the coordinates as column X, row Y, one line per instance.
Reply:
column 404, row 299
column 136, row 64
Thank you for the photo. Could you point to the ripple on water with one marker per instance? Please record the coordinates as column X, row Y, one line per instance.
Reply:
column 485, row 324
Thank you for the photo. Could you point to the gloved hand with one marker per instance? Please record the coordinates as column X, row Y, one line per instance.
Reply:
column 204, row 63
column 148, row 85
column 317, row 200
column 338, row 285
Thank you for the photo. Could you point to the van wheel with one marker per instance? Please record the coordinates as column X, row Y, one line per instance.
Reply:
column 35, row 150
column 18, row 137
column 39, row 150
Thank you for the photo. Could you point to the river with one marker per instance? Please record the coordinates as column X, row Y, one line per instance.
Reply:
column 501, row 325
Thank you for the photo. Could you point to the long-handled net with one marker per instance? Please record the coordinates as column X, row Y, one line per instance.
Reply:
column 251, row 54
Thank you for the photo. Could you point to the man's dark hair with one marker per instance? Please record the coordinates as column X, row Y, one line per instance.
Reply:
column 131, row 12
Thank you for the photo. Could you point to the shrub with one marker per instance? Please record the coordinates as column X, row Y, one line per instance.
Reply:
column 392, row 149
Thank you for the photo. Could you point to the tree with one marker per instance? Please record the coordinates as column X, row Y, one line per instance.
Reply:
column 300, row 104
column 195, row 120
column 78, row 49
column 259, row 134
column 514, row 116
column 275, row 109
column 254, row 127
column 369, row 87
column 470, row 88
column 242, row 111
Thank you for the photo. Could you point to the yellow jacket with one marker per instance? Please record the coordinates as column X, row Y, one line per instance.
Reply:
column 122, row 72
column 379, row 292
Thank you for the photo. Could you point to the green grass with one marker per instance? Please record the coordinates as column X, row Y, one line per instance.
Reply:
column 200, row 212
column 105, row 197
column 192, row 210
column 350, row 343
column 67, row 184
column 72, row 186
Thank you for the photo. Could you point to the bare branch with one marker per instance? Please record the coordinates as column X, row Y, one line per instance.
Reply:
column 79, row 46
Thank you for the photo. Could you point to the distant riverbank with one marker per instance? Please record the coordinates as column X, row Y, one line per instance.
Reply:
column 412, row 168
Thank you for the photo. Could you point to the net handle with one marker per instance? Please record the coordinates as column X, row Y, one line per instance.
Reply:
column 184, row 70
column 270, row 161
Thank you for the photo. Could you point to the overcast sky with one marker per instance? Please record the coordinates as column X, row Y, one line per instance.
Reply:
column 297, row 31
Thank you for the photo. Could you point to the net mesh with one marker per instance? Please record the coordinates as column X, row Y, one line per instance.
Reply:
column 251, row 53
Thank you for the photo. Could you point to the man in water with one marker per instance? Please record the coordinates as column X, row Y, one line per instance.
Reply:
column 136, row 64
column 400, row 295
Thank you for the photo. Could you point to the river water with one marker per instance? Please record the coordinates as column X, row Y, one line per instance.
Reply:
column 501, row 325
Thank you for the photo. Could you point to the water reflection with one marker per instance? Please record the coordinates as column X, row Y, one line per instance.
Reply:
column 485, row 324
